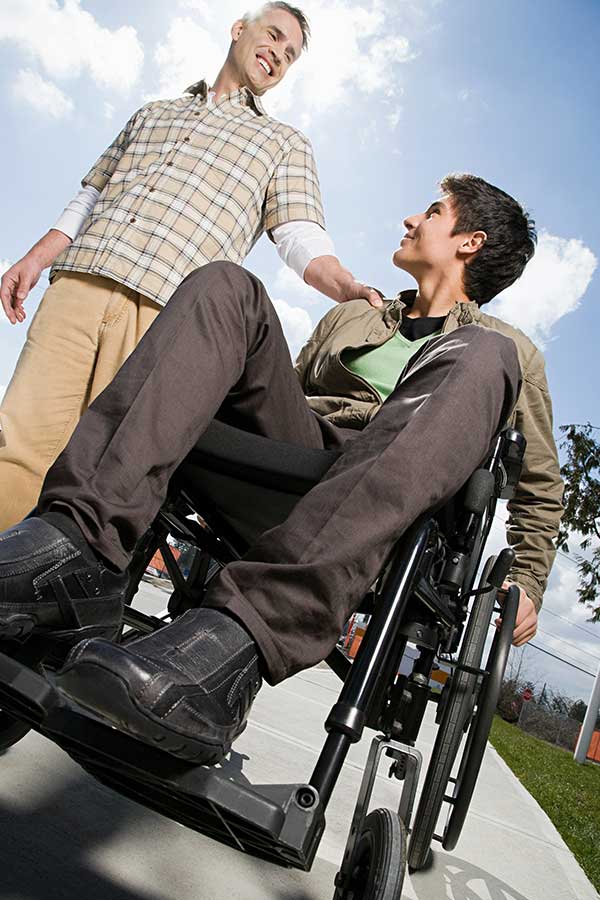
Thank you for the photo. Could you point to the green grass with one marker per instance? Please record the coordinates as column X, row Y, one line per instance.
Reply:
column 567, row 792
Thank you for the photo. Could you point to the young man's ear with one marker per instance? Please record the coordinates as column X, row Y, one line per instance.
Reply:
column 237, row 28
column 472, row 244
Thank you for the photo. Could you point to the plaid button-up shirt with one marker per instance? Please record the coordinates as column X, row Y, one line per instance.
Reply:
column 185, row 183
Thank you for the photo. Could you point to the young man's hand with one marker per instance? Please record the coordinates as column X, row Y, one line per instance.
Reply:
column 527, row 618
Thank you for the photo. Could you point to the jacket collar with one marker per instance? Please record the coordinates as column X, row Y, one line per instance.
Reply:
column 462, row 313
column 242, row 95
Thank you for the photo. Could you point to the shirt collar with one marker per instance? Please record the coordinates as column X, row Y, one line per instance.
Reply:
column 244, row 94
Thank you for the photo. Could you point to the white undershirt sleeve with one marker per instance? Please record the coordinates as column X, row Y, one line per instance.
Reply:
column 298, row 243
column 77, row 211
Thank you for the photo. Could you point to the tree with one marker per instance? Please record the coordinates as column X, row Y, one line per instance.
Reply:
column 581, row 473
column 578, row 710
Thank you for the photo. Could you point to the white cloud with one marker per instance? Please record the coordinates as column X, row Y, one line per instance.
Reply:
column 355, row 48
column 296, row 324
column 552, row 285
column 109, row 110
column 290, row 285
column 67, row 40
column 44, row 96
column 200, row 6
column 190, row 52
column 394, row 117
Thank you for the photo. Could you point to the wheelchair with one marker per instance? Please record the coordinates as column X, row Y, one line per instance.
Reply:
column 231, row 488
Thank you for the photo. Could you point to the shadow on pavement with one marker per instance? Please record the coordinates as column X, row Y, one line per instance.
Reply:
column 47, row 850
column 449, row 876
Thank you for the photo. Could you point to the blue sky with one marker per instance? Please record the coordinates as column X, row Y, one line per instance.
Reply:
column 393, row 95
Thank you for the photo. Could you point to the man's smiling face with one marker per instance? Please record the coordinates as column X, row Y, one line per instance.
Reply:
column 265, row 48
column 429, row 241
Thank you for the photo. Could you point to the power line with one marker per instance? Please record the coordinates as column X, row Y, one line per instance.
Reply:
column 595, row 656
column 574, row 624
column 560, row 659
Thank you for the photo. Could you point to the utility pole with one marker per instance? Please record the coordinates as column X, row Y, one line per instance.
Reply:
column 589, row 723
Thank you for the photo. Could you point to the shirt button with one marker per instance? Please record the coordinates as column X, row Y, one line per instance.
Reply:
column 186, row 139
column 150, row 190
column 132, row 219
column 196, row 113
column 169, row 163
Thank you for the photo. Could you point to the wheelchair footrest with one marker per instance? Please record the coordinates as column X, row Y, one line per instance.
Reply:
column 279, row 823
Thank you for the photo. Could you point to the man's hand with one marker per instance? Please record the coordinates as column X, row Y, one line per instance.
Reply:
column 25, row 274
column 356, row 290
column 16, row 284
column 326, row 274
column 527, row 618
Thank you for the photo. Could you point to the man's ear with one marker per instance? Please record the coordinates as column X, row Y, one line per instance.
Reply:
column 237, row 28
column 471, row 244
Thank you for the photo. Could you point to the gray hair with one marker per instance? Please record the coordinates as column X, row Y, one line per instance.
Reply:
column 286, row 7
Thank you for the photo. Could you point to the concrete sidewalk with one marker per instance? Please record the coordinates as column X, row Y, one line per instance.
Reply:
column 65, row 836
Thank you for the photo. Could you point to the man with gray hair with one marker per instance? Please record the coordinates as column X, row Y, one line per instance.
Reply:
column 186, row 182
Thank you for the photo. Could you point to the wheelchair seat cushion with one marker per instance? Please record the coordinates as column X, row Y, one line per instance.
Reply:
column 249, row 481
column 259, row 460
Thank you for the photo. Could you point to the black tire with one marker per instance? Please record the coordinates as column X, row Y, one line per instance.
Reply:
column 379, row 860
column 480, row 727
column 458, row 711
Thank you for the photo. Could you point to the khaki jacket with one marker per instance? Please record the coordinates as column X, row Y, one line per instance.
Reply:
column 347, row 400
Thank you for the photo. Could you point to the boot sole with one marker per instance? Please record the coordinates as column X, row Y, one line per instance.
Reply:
column 89, row 685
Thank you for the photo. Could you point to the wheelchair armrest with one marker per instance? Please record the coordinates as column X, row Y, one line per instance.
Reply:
column 511, row 458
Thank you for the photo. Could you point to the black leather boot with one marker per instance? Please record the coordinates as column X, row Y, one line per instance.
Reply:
column 52, row 588
column 186, row 688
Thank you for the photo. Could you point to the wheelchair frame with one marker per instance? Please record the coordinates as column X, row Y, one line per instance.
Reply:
column 421, row 597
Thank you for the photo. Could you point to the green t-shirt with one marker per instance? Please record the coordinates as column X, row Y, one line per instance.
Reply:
column 382, row 366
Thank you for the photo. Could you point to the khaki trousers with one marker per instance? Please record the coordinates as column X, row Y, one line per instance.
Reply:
column 84, row 329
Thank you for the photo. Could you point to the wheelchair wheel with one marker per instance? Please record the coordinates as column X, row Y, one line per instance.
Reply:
column 481, row 724
column 11, row 730
column 458, row 706
column 379, row 860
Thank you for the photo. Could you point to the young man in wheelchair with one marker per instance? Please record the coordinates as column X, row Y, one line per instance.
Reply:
column 413, row 395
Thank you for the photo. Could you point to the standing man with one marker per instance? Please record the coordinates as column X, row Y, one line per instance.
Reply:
column 187, row 182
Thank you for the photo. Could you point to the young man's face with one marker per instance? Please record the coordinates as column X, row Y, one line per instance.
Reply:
column 429, row 243
column 265, row 48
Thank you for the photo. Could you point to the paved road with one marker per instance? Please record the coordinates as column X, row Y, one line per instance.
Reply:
column 65, row 837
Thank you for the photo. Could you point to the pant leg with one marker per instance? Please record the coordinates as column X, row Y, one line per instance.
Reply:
column 47, row 393
column 299, row 583
column 217, row 347
column 83, row 330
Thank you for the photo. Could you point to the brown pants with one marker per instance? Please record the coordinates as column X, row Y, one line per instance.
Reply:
column 218, row 348
column 84, row 329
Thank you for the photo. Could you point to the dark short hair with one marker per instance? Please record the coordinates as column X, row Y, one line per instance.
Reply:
column 292, row 10
column 511, row 234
